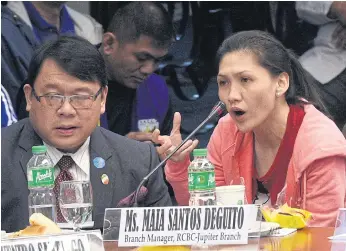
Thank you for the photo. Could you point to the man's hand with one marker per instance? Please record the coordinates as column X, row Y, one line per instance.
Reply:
column 140, row 136
column 164, row 143
column 339, row 36
column 169, row 143
column 338, row 11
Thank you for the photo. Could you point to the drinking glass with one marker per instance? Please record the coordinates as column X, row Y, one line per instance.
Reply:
column 76, row 202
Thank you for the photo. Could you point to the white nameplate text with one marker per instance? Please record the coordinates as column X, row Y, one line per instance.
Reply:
column 73, row 242
column 186, row 225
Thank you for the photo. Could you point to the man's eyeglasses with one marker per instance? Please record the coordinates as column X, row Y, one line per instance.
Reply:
column 77, row 101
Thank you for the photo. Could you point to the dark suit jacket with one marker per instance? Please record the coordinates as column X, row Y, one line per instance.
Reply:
column 127, row 162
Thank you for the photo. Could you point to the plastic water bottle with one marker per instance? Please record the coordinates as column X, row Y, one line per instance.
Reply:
column 201, row 180
column 40, row 171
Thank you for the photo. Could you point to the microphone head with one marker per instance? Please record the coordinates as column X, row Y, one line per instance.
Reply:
column 219, row 108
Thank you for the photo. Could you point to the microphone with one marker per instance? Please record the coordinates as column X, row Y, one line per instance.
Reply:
column 218, row 109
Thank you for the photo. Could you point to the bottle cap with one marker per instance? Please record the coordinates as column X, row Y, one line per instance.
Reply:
column 39, row 149
column 200, row 152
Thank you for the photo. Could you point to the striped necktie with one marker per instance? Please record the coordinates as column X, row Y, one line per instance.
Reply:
column 65, row 164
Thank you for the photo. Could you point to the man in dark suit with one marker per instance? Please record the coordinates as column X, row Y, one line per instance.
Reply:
column 66, row 92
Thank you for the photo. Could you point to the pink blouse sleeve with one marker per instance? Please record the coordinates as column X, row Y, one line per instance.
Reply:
column 325, row 190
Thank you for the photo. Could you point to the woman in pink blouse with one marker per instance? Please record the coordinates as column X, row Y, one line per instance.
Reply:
column 275, row 137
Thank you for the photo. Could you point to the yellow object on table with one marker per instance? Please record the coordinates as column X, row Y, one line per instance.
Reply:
column 287, row 217
column 165, row 248
column 39, row 225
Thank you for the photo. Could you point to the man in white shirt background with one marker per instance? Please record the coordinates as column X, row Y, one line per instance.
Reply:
column 326, row 60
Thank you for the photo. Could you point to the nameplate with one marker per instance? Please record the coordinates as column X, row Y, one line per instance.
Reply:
column 186, row 225
column 63, row 242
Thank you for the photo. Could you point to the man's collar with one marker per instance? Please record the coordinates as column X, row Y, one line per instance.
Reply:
column 35, row 17
column 37, row 20
column 98, row 143
column 99, row 146
column 78, row 157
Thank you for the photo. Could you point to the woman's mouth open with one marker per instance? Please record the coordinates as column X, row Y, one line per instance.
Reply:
column 237, row 114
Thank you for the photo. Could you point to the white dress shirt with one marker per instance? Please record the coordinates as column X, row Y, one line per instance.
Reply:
column 81, row 167
column 323, row 61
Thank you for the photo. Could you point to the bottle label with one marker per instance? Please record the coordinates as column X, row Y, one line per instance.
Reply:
column 41, row 177
column 201, row 180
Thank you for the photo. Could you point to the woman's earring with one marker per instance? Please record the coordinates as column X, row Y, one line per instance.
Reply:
column 277, row 94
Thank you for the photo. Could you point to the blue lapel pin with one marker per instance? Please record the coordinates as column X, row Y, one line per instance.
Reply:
column 99, row 162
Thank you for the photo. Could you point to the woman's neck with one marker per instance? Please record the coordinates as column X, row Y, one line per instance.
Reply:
column 268, row 137
column 269, row 134
column 49, row 12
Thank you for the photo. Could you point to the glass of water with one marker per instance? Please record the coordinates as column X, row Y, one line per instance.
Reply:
column 76, row 202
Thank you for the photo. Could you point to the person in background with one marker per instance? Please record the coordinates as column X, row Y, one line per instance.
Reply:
column 138, row 102
column 275, row 139
column 26, row 25
column 66, row 91
column 326, row 60
column 8, row 116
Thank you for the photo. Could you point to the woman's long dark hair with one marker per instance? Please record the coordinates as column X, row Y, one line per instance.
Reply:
column 274, row 57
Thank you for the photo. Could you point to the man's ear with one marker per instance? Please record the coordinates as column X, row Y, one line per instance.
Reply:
column 103, row 99
column 28, row 96
column 109, row 43
column 282, row 84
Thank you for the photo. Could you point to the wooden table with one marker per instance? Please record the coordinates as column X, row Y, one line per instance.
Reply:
column 309, row 239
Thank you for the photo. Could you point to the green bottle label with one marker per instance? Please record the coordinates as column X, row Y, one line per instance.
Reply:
column 201, row 181
column 41, row 177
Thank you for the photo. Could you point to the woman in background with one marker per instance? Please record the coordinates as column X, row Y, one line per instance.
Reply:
column 275, row 138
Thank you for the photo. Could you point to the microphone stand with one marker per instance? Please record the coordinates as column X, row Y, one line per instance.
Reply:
column 218, row 109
